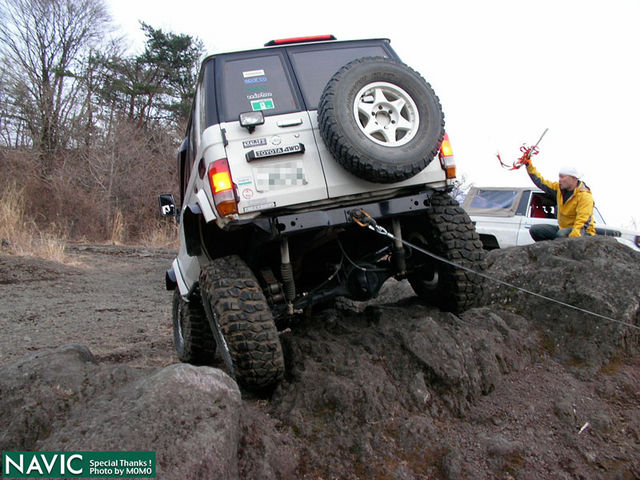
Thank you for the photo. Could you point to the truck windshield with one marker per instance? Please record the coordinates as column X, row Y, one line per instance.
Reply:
column 494, row 199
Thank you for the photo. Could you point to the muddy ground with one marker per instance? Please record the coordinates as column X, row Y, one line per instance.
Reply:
column 110, row 298
column 363, row 397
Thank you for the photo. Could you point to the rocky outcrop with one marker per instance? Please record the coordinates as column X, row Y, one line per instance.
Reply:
column 378, row 381
column 595, row 274
column 359, row 383
column 517, row 388
column 61, row 400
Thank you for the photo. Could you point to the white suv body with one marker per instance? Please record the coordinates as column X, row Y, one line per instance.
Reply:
column 302, row 179
column 290, row 150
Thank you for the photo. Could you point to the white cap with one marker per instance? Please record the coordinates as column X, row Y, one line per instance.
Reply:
column 571, row 171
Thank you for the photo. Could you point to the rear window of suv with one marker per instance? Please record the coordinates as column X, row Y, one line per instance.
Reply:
column 266, row 80
column 315, row 67
column 251, row 83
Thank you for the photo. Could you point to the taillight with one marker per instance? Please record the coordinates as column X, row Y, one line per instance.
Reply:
column 446, row 157
column 638, row 241
column 224, row 195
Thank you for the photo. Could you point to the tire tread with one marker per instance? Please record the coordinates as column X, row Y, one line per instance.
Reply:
column 451, row 235
column 246, row 323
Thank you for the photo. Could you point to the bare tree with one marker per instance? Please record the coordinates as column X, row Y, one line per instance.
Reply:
column 43, row 44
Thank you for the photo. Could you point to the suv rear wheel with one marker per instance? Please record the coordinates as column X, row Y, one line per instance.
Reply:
column 380, row 119
column 447, row 231
column 242, row 323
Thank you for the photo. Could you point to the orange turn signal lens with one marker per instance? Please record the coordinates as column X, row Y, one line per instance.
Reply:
column 447, row 161
column 451, row 171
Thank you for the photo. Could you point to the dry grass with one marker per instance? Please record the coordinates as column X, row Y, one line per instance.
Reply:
column 92, row 194
column 20, row 235
column 164, row 234
column 118, row 228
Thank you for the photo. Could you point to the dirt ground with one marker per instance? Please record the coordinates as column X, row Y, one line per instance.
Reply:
column 540, row 421
column 110, row 298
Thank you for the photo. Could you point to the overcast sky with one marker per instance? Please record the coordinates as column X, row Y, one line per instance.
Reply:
column 504, row 71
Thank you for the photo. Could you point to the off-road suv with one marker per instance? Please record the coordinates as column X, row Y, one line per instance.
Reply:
column 290, row 150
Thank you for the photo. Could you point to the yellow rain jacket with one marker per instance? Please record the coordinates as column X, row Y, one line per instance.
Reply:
column 575, row 211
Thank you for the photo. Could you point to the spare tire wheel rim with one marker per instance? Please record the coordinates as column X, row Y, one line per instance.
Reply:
column 386, row 114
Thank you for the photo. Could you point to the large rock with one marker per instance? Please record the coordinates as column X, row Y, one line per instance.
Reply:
column 189, row 415
column 38, row 392
column 595, row 274
column 376, row 381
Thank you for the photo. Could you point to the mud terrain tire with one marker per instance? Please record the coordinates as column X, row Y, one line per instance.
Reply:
column 242, row 323
column 447, row 231
column 380, row 119
column 192, row 335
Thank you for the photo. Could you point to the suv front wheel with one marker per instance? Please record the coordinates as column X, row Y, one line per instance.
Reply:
column 192, row 335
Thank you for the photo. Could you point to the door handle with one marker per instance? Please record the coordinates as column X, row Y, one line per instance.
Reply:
column 290, row 123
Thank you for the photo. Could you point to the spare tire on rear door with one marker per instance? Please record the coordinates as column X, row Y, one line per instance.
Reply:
column 380, row 119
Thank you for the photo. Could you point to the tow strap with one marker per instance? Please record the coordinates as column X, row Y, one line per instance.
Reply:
column 363, row 219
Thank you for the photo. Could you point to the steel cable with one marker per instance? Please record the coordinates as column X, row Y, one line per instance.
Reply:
column 382, row 231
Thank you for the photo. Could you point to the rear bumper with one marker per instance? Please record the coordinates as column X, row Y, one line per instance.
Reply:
column 299, row 222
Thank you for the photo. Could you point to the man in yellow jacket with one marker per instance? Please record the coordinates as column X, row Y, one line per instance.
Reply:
column 574, row 205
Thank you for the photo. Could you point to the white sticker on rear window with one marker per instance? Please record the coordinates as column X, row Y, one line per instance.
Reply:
column 253, row 73
column 256, row 95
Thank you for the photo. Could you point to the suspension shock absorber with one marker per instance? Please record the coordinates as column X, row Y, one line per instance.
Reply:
column 398, row 249
column 286, row 270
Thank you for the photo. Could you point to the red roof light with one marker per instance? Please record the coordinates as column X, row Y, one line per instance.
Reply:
column 288, row 41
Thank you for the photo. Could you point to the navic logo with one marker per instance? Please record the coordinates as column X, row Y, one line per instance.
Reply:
column 78, row 464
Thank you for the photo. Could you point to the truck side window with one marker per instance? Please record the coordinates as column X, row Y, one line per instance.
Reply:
column 541, row 206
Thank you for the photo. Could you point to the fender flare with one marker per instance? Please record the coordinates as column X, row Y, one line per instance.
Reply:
column 192, row 215
column 191, row 226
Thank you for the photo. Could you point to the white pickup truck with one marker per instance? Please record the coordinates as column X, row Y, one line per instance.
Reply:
column 503, row 216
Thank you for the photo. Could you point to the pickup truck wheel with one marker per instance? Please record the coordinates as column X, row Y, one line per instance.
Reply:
column 380, row 119
column 242, row 323
column 447, row 231
column 192, row 335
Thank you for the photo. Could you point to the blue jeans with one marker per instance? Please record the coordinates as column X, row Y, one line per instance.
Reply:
column 543, row 231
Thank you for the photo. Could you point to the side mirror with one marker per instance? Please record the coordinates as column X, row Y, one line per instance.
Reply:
column 250, row 120
column 167, row 205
